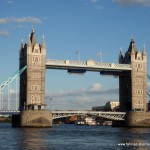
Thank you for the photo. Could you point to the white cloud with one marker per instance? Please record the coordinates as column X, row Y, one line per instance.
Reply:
column 95, row 87
column 20, row 20
column 133, row 2
column 94, row 1
column 26, row 20
column 10, row 2
column 94, row 90
column 20, row 26
column 3, row 20
column 80, row 99
column 4, row 33
column 96, row 4
column 99, row 7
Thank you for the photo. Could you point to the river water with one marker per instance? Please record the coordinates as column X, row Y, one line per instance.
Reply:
column 74, row 137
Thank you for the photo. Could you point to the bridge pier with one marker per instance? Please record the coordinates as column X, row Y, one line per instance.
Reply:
column 134, row 119
column 116, row 123
column 32, row 86
column 33, row 118
column 137, row 119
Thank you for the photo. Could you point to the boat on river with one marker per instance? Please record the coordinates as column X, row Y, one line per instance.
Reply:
column 86, row 121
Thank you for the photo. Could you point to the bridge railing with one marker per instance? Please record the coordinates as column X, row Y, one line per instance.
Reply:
column 89, row 64
column 107, row 115
column 67, row 113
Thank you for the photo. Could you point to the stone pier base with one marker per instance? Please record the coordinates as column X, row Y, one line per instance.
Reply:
column 118, row 123
column 134, row 119
column 137, row 119
column 33, row 118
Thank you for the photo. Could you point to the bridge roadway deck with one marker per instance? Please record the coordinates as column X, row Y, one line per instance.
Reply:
column 107, row 115
column 89, row 65
column 66, row 113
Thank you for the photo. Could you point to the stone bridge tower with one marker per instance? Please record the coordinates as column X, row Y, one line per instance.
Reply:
column 133, row 83
column 32, row 84
column 132, row 86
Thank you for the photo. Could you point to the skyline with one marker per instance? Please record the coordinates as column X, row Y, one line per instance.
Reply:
column 90, row 26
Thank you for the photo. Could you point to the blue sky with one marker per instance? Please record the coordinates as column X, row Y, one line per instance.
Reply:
column 70, row 25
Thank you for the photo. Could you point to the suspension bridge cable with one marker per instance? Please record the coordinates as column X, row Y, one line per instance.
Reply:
column 148, row 76
column 148, row 90
column 12, row 77
column 7, row 82
column 16, row 94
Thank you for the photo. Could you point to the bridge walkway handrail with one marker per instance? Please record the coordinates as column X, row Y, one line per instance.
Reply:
column 108, row 115
column 88, row 65
column 86, row 112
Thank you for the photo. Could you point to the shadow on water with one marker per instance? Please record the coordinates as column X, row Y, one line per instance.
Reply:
column 23, row 138
column 73, row 137
column 133, row 138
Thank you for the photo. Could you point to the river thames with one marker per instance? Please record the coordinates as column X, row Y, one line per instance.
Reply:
column 74, row 137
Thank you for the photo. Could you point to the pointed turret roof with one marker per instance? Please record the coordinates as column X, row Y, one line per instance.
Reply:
column 22, row 45
column 43, row 42
column 29, row 42
column 120, row 54
column 33, row 38
column 132, row 46
column 144, row 50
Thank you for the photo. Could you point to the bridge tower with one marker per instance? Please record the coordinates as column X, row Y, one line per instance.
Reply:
column 32, row 84
column 132, row 86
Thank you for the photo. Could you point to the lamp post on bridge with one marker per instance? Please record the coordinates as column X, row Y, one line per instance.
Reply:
column 78, row 54
column 51, row 103
column 100, row 55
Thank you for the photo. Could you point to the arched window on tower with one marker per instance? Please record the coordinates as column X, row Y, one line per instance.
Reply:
column 36, row 50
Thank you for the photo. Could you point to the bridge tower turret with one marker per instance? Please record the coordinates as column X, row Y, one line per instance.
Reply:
column 32, row 84
column 133, row 84
column 120, row 57
column 132, row 88
column 32, row 88
column 139, row 74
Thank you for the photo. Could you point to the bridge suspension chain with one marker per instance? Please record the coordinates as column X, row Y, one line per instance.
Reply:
column 148, row 90
column 12, row 77
column 148, row 76
column 7, row 82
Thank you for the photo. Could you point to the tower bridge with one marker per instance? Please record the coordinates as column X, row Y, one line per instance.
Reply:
column 131, row 70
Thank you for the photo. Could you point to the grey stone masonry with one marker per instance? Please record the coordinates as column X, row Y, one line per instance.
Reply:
column 32, row 81
column 32, row 86
column 132, row 84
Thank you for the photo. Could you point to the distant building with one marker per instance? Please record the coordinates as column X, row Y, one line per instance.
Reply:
column 98, row 108
column 111, row 106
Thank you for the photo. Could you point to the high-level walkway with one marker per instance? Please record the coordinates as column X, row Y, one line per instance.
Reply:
column 88, row 65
